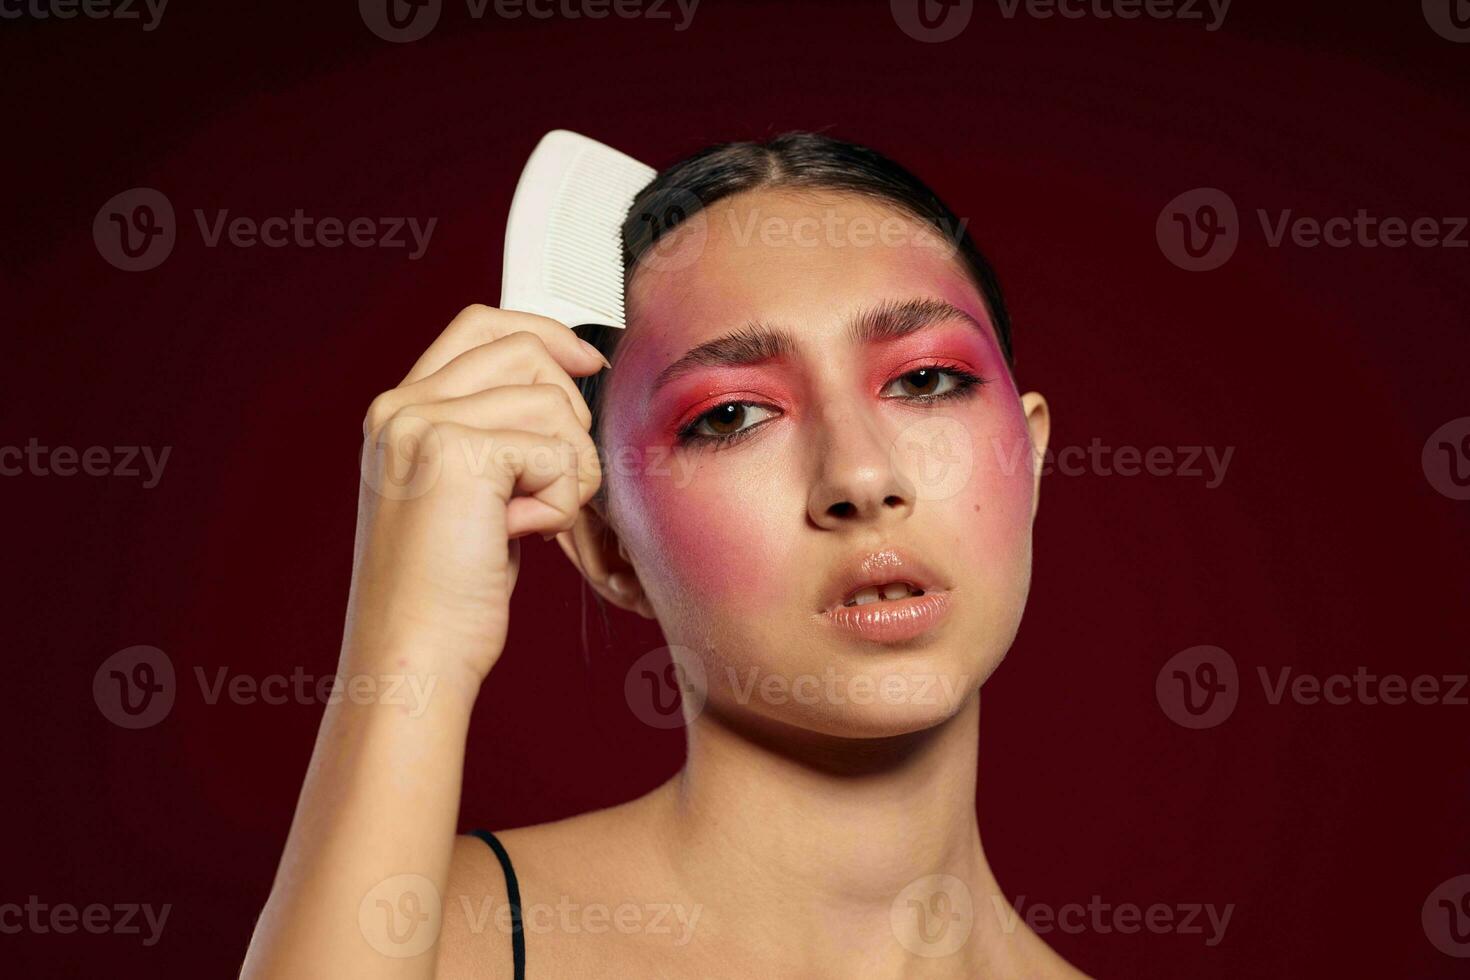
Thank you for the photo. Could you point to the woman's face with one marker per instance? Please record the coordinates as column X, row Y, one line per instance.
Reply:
column 747, row 496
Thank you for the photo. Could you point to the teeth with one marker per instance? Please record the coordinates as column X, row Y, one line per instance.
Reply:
column 889, row 591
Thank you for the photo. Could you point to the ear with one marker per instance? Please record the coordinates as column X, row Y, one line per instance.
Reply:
column 595, row 549
column 1038, row 422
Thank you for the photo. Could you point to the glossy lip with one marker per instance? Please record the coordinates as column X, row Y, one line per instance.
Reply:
column 879, row 568
column 893, row 621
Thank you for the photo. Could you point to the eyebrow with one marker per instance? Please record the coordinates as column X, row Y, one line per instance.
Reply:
column 757, row 342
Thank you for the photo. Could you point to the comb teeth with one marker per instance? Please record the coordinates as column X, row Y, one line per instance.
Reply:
column 563, row 237
column 583, row 260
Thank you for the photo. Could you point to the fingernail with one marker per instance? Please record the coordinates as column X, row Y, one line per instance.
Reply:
column 595, row 352
column 616, row 583
column 548, row 537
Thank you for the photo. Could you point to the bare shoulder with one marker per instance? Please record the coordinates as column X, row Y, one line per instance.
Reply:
column 475, row 937
column 563, row 869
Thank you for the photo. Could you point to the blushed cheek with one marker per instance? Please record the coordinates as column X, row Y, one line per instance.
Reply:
column 715, row 534
column 993, row 513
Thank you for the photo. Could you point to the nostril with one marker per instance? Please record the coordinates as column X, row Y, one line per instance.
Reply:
column 841, row 509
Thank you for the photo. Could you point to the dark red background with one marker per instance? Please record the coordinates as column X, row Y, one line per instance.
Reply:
column 1325, row 548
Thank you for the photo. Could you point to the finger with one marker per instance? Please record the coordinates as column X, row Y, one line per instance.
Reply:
column 527, row 470
column 519, row 358
column 478, row 325
column 541, row 409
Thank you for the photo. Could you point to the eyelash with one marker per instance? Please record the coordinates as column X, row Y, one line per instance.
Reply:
column 966, row 385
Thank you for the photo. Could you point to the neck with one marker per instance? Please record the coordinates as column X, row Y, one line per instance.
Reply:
column 770, row 823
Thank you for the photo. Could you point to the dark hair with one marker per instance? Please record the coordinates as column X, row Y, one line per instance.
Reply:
column 802, row 160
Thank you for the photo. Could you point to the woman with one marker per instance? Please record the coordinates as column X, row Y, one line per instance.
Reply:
column 811, row 464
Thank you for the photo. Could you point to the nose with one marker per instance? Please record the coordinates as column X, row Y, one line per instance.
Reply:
column 858, row 481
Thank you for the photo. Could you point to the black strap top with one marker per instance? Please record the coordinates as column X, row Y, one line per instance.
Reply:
column 513, row 892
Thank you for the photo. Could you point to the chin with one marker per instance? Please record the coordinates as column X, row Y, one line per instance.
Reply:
column 879, row 721
column 853, row 693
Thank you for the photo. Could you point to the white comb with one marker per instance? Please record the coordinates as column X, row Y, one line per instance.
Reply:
column 563, row 240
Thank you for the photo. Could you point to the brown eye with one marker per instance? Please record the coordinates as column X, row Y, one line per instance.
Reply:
column 726, row 418
column 729, row 419
column 923, row 381
column 927, row 384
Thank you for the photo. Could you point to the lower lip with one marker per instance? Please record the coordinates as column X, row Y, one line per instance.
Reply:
column 892, row 620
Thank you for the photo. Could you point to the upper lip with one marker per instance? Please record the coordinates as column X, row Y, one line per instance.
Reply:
column 876, row 568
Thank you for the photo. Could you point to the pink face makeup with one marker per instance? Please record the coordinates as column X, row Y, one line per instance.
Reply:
column 684, row 400
column 732, row 539
column 954, row 343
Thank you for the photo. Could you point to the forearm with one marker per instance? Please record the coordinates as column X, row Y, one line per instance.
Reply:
column 357, row 891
